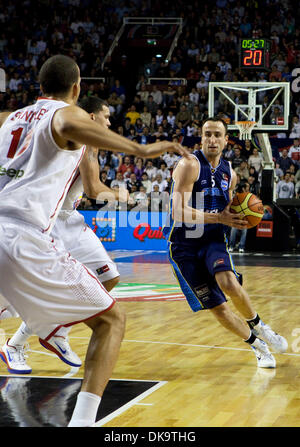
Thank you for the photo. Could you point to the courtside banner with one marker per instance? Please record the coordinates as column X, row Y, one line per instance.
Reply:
column 122, row 230
column 264, row 229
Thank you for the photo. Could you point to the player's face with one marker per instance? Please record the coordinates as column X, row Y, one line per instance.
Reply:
column 213, row 138
column 102, row 117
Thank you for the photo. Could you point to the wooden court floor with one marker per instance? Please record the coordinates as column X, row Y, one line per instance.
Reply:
column 203, row 375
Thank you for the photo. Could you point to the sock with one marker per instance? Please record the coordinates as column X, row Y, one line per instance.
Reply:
column 21, row 336
column 251, row 339
column 85, row 411
column 253, row 322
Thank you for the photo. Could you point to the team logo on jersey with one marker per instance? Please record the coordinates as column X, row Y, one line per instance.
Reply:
column 224, row 185
column 202, row 292
column 219, row 262
column 103, row 269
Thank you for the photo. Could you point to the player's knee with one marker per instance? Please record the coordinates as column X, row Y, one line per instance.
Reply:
column 228, row 283
column 113, row 321
column 222, row 312
column 117, row 319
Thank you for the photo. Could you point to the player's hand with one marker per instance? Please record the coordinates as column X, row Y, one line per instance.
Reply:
column 231, row 219
column 156, row 149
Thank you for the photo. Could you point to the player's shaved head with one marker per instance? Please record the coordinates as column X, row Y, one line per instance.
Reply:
column 58, row 74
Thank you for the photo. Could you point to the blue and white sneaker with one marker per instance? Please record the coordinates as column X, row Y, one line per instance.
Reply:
column 263, row 356
column 274, row 340
column 60, row 346
column 14, row 357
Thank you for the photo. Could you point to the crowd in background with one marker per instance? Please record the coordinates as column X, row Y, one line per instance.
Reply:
column 207, row 50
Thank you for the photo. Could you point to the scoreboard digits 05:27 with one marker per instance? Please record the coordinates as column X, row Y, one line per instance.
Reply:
column 255, row 53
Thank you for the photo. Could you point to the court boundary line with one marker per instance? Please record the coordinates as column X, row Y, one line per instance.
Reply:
column 129, row 404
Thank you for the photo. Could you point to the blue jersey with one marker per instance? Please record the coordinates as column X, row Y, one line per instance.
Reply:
column 211, row 195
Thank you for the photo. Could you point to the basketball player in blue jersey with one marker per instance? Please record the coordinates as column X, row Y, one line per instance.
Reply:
column 200, row 200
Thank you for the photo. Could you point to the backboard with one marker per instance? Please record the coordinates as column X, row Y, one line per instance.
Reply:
column 266, row 103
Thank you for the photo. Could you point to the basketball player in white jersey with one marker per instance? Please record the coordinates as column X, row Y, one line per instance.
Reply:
column 79, row 240
column 39, row 278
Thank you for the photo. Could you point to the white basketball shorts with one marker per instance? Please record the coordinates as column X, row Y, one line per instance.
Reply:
column 46, row 285
column 82, row 243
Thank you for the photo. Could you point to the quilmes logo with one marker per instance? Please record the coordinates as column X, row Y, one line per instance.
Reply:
column 12, row 173
column 144, row 230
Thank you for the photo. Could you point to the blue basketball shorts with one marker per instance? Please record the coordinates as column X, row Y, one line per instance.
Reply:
column 195, row 268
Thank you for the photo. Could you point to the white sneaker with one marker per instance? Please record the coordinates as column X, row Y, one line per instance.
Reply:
column 60, row 346
column 14, row 357
column 230, row 249
column 241, row 250
column 264, row 357
column 276, row 341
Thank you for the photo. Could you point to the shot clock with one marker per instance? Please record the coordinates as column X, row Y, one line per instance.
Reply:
column 255, row 54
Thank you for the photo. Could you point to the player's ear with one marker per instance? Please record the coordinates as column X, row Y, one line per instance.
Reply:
column 93, row 117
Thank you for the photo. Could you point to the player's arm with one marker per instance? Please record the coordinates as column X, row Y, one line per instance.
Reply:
column 185, row 175
column 72, row 127
column 3, row 116
column 92, row 186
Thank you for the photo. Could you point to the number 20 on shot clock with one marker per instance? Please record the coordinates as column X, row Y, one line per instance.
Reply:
column 255, row 54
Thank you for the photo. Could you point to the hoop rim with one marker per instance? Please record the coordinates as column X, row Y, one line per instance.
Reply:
column 242, row 123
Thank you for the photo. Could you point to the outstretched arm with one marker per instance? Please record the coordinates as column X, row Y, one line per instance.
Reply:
column 3, row 116
column 72, row 127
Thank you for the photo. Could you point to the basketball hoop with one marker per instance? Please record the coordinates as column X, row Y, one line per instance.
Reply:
column 245, row 128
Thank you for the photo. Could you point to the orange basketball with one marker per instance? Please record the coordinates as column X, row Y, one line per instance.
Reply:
column 250, row 206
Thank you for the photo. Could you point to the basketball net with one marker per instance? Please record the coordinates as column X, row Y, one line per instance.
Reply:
column 245, row 128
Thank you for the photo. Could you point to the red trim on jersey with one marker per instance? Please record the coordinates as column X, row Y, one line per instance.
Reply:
column 74, row 179
column 79, row 321
column 70, row 179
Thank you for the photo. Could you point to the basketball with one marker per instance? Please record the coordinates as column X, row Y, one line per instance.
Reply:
column 249, row 205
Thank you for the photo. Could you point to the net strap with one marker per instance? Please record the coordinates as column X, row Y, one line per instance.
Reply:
column 245, row 128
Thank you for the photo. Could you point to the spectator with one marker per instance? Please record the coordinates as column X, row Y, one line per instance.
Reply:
column 295, row 128
column 183, row 116
column 132, row 181
column 237, row 157
column 294, row 152
column 150, row 170
column 119, row 181
column 127, row 164
column 170, row 159
column 285, row 187
column 146, row 116
column 253, row 185
column 162, row 184
column 147, row 184
column 132, row 114
column 284, row 161
column 247, row 150
column 143, row 93
column 151, row 105
column 157, row 95
column 275, row 75
column 139, row 169
column 243, row 170
column 164, row 171
column 104, row 179
column 256, row 160
column 145, row 137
